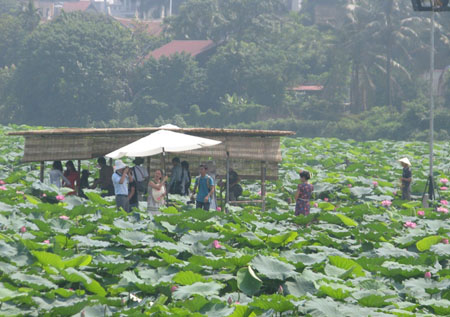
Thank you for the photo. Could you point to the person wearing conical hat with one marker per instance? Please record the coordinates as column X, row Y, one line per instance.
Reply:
column 406, row 178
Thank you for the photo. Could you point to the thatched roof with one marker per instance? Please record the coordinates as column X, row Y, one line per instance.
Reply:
column 80, row 144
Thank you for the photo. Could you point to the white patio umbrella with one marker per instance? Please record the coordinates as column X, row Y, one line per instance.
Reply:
column 162, row 141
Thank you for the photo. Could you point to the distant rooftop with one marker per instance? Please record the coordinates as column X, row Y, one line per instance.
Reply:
column 153, row 28
column 192, row 48
column 307, row 88
column 76, row 6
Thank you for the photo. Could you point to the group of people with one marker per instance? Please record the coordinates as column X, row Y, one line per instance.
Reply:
column 304, row 189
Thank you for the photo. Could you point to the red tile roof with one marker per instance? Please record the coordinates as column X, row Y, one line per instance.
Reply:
column 76, row 6
column 190, row 47
column 153, row 28
column 307, row 88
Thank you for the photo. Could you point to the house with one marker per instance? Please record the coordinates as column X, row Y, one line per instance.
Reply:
column 306, row 89
column 46, row 9
column 153, row 28
column 84, row 6
column 199, row 49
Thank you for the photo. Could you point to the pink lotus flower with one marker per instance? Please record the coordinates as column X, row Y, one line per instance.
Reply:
column 259, row 193
column 280, row 290
column 2, row 187
column 23, row 229
column 444, row 202
column 442, row 209
column 2, row 182
column 46, row 241
column 44, row 195
column 219, row 208
column 216, row 244
column 410, row 224
column 173, row 288
column 375, row 183
column 444, row 241
column 325, row 199
column 349, row 185
column 421, row 213
column 60, row 197
column 443, row 180
column 237, row 303
column 316, row 205
column 444, row 188
column 386, row 203
column 64, row 217
column 427, row 274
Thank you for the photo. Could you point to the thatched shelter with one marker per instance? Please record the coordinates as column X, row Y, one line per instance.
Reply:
column 254, row 154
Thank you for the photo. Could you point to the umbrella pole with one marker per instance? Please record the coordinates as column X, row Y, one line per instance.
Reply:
column 164, row 169
column 227, row 193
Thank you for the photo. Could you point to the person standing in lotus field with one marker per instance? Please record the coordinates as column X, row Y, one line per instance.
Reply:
column 121, row 178
column 205, row 185
column 303, row 195
column 406, row 178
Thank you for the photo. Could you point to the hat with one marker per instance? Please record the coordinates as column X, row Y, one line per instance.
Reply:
column 119, row 165
column 405, row 160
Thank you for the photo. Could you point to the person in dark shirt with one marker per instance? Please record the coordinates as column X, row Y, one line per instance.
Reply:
column 406, row 178
column 133, row 195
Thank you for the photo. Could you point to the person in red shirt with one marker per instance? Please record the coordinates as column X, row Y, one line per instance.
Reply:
column 73, row 176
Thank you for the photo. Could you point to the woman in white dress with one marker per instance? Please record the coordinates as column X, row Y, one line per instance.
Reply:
column 56, row 175
column 156, row 192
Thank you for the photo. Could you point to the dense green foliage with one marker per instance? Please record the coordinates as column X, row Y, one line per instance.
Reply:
column 370, row 56
column 364, row 250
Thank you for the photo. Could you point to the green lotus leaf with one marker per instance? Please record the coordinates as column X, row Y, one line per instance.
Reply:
column 441, row 249
column 347, row 221
column 216, row 309
column 241, row 311
column 334, row 292
column 89, row 283
column 34, row 281
column 426, row 243
column 187, row 278
column 322, row 308
column 375, row 300
column 440, row 307
column 326, row 206
column 97, row 199
column 82, row 260
column 300, row 287
column 46, row 258
column 276, row 302
column 6, row 294
column 273, row 268
column 88, row 242
column 283, row 239
column 6, row 250
column 248, row 282
column 97, row 310
column 347, row 264
column 199, row 288
column 134, row 238
column 67, row 307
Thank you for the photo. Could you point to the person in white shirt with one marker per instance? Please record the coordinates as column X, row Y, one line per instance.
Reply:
column 56, row 175
column 120, row 178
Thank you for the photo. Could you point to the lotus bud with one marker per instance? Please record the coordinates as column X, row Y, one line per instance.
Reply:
column 23, row 229
column 375, row 183
column 46, row 241
column 230, row 300
column 421, row 213
column 82, row 314
column 2, row 182
column 427, row 274
column 444, row 241
column 173, row 288
column 60, row 197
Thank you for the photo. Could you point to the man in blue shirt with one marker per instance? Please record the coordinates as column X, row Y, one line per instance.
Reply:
column 120, row 178
column 205, row 185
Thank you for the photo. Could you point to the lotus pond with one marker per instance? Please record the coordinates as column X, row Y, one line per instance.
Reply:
column 361, row 252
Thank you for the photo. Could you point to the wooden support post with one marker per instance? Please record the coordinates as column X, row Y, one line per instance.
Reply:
column 41, row 172
column 263, row 185
column 227, row 193
column 79, row 166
